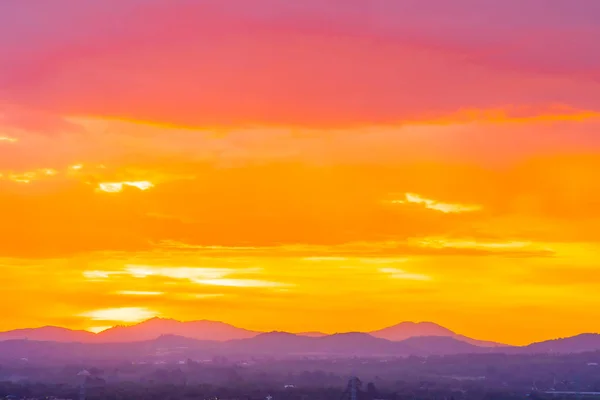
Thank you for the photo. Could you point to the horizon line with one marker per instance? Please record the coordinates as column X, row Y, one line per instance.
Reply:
column 300, row 333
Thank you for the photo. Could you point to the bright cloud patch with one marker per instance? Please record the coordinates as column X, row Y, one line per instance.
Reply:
column 122, row 314
column 198, row 275
column 203, row 276
column 116, row 187
column 190, row 273
column 436, row 205
column 98, row 329
column 8, row 139
column 29, row 176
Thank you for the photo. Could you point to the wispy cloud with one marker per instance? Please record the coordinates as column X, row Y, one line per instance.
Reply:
column 396, row 273
column 189, row 273
column 437, row 205
column 138, row 293
column 99, row 275
column 197, row 275
column 473, row 244
column 29, row 176
column 230, row 282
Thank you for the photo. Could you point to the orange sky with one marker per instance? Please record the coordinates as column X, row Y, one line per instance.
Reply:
column 336, row 166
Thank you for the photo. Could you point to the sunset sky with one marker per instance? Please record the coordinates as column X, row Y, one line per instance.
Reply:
column 331, row 165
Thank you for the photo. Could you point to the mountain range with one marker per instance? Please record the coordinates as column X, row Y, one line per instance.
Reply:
column 216, row 331
column 206, row 338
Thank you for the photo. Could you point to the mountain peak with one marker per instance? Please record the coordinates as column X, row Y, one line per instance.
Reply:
column 155, row 327
column 421, row 324
column 408, row 329
column 158, row 320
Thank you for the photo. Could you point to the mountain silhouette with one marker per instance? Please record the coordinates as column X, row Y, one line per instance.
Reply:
column 312, row 334
column 341, row 344
column 406, row 330
column 155, row 327
column 48, row 334
column 406, row 337
column 273, row 344
column 575, row 344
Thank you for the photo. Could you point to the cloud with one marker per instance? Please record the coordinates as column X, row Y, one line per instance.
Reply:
column 396, row 273
column 441, row 243
column 116, row 187
column 196, row 275
column 436, row 205
column 138, row 293
column 240, row 282
column 29, row 176
column 189, row 273
column 258, row 207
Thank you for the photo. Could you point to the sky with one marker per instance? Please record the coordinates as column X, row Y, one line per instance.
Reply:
column 330, row 165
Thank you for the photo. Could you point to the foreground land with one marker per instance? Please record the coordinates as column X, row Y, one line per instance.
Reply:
column 467, row 377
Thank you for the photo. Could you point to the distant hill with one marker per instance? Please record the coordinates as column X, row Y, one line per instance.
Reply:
column 213, row 330
column 343, row 344
column 420, row 338
column 147, row 330
column 406, row 330
column 575, row 344
column 160, row 337
column 49, row 334
column 442, row 345
column 275, row 344
column 155, row 327
column 312, row 334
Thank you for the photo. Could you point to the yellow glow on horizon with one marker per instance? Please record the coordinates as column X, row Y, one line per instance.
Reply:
column 121, row 314
column 98, row 329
